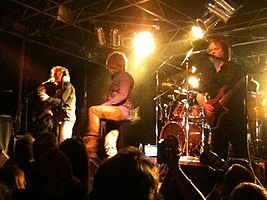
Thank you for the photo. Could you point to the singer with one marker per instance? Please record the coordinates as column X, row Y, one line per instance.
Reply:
column 227, row 119
column 60, row 103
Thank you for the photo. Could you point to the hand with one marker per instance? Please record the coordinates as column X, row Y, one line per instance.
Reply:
column 208, row 109
column 43, row 96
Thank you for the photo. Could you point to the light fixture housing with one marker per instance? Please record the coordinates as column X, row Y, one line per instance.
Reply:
column 218, row 11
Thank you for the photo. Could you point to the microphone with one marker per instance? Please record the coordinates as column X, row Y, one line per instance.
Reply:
column 6, row 91
column 169, row 85
column 48, row 81
column 215, row 57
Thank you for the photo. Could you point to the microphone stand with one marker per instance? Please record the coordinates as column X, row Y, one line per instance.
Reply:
column 157, row 106
column 187, row 101
column 60, row 118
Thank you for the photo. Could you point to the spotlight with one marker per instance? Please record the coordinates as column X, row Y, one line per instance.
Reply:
column 115, row 38
column 101, row 36
column 143, row 44
column 219, row 11
column 193, row 81
column 230, row 9
column 208, row 22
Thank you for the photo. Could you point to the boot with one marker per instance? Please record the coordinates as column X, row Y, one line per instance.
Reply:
column 92, row 145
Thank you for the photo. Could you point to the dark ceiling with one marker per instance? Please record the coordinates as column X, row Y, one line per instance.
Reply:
column 73, row 30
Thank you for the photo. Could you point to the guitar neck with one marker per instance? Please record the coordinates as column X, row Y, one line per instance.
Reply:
column 230, row 93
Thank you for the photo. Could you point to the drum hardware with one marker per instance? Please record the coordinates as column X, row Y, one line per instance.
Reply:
column 186, row 59
column 256, row 116
column 184, row 118
column 255, row 131
column 157, row 99
column 196, row 136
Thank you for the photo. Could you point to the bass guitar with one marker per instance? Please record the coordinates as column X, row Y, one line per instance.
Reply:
column 218, row 102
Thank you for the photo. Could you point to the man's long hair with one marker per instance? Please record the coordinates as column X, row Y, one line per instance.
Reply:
column 225, row 47
column 63, row 71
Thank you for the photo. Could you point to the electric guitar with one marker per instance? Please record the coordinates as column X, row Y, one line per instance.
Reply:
column 48, row 109
column 218, row 103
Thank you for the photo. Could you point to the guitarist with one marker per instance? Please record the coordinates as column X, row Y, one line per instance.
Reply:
column 227, row 121
column 62, row 104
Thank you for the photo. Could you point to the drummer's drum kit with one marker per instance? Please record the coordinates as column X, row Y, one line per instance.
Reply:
column 184, row 118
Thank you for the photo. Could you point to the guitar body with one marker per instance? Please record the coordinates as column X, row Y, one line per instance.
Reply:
column 218, row 103
column 44, row 117
column 219, row 110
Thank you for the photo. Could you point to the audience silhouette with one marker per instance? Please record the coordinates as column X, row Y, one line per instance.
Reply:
column 248, row 191
column 75, row 149
column 42, row 169
column 128, row 175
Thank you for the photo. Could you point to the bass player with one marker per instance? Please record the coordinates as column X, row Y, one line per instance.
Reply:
column 222, row 95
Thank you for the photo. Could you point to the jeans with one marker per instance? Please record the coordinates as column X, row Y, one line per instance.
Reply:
column 95, row 115
column 66, row 130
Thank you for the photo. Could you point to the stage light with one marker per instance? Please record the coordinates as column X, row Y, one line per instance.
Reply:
column 143, row 44
column 193, row 82
column 100, row 36
column 207, row 22
column 115, row 38
column 219, row 11
column 197, row 32
column 65, row 14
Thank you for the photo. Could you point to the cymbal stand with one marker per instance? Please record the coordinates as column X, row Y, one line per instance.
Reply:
column 187, row 102
column 157, row 106
column 157, row 99
column 258, row 132
column 187, row 114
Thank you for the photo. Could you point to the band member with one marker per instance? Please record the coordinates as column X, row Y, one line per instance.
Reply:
column 116, row 107
column 61, row 105
column 222, row 96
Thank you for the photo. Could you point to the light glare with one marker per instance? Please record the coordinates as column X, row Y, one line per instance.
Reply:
column 197, row 32
column 193, row 81
column 143, row 44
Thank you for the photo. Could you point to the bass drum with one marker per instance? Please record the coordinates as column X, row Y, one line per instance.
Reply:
column 173, row 128
column 195, row 136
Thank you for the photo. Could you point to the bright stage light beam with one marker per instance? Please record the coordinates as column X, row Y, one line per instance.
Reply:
column 143, row 44
column 197, row 32
column 194, row 82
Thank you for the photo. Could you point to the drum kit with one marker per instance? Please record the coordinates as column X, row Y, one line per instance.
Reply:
column 184, row 118
column 180, row 113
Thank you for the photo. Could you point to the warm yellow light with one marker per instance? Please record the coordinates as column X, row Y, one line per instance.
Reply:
column 193, row 81
column 197, row 32
column 143, row 44
column 193, row 69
